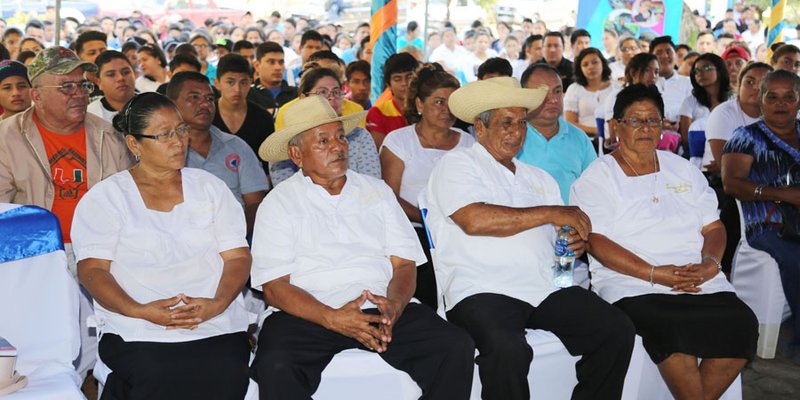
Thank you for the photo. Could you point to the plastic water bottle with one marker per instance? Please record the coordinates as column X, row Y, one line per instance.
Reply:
column 564, row 260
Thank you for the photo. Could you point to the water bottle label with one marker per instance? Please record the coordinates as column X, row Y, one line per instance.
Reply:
column 561, row 248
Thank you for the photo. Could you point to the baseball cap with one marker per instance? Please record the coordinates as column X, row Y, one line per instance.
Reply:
column 735, row 51
column 57, row 60
column 10, row 68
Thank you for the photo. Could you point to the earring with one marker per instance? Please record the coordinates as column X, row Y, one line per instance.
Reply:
column 136, row 156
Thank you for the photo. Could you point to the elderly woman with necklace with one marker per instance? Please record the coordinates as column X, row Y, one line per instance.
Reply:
column 409, row 154
column 655, row 248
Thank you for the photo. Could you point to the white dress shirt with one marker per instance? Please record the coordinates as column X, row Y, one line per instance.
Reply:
column 333, row 247
column 673, row 91
column 519, row 266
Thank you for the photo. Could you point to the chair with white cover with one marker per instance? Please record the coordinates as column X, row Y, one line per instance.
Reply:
column 39, row 297
column 757, row 281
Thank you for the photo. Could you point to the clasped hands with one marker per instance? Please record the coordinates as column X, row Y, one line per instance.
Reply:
column 373, row 331
column 687, row 278
column 193, row 312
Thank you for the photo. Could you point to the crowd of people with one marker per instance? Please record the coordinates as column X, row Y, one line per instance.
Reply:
column 201, row 173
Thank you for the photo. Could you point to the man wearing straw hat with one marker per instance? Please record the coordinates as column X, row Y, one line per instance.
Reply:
column 336, row 258
column 493, row 220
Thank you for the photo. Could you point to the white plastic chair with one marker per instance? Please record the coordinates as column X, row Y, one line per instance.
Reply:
column 757, row 281
column 39, row 316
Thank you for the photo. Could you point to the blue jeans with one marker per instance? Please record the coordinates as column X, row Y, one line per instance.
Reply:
column 787, row 254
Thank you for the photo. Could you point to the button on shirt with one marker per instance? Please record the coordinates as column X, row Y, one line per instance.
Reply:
column 231, row 160
column 333, row 247
column 518, row 266
column 564, row 156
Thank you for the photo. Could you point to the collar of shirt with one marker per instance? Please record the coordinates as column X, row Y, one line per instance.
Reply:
column 560, row 135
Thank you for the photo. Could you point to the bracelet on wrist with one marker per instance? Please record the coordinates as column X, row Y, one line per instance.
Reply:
column 652, row 270
column 713, row 259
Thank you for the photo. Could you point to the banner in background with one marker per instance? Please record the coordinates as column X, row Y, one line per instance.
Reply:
column 383, row 38
column 630, row 17
column 776, row 25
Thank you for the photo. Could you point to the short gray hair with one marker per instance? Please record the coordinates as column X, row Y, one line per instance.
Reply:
column 485, row 117
column 779, row 75
column 296, row 140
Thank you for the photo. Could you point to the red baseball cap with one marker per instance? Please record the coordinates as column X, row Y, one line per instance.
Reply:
column 735, row 51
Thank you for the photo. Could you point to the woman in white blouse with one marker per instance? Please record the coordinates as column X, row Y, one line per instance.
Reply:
column 162, row 250
column 710, row 87
column 593, row 83
column 655, row 245
column 409, row 154
column 154, row 68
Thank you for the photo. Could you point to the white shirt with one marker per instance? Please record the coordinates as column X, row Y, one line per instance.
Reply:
column 722, row 122
column 96, row 108
column 663, row 233
column 579, row 100
column 518, row 266
column 450, row 58
column 470, row 64
column 692, row 108
column 674, row 90
column 144, row 84
column 606, row 109
column 157, row 255
column 418, row 162
column 617, row 70
column 518, row 67
column 333, row 247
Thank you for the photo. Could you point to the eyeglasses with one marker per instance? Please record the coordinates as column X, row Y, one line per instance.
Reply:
column 336, row 92
column 788, row 63
column 628, row 49
column 788, row 98
column 637, row 123
column 70, row 88
column 182, row 131
column 707, row 68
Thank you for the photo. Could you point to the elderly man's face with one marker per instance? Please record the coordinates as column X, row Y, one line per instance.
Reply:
column 322, row 153
column 553, row 105
column 58, row 105
column 504, row 136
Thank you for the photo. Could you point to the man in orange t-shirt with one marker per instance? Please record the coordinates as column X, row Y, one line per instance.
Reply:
column 53, row 152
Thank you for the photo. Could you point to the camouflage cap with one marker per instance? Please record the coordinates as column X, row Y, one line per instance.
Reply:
column 57, row 60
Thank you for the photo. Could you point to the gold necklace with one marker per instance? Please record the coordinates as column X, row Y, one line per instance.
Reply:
column 654, row 199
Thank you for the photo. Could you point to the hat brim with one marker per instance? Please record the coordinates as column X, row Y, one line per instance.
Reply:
column 66, row 68
column 276, row 147
column 471, row 100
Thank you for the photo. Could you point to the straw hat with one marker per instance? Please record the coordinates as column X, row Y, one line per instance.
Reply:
column 474, row 98
column 306, row 113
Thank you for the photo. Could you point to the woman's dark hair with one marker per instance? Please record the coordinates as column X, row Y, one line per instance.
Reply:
column 24, row 56
column 135, row 115
column 155, row 52
column 750, row 66
column 428, row 79
column 781, row 50
column 4, row 54
column 107, row 56
column 637, row 65
column 635, row 93
column 311, row 76
column 723, row 80
column 580, row 78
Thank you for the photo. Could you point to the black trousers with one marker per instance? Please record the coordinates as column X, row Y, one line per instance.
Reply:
column 214, row 368
column 426, row 279
column 584, row 323
column 293, row 352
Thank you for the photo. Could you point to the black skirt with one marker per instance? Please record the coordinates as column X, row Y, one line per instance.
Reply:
column 717, row 325
column 211, row 368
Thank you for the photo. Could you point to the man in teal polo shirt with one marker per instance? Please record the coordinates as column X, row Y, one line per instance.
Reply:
column 552, row 143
